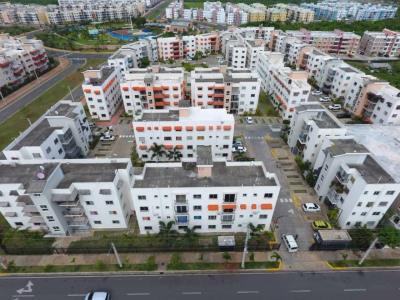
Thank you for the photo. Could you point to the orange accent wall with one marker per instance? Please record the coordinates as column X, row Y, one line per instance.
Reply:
column 229, row 206
column 140, row 129
column 254, row 206
column 266, row 206
column 166, row 128
column 243, row 206
column 189, row 128
column 212, row 207
column 200, row 128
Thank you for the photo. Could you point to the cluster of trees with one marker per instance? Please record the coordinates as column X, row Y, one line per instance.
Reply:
column 15, row 30
column 159, row 151
column 41, row 2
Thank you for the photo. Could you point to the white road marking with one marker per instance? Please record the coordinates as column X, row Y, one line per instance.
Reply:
column 23, row 296
column 300, row 291
column 354, row 290
column 191, row 293
column 138, row 294
column 76, row 295
column 247, row 292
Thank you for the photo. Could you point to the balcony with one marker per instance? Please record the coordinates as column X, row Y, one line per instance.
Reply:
column 74, row 212
column 342, row 176
column 30, row 209
column 181, row 199
column 334, row 197
column 67, row 197
column 182, row 219
column 79, row 222
column 227, row 218
column 4, row 204
column 303, row 138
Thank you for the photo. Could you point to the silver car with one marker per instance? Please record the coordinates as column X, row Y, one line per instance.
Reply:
column 98, row 296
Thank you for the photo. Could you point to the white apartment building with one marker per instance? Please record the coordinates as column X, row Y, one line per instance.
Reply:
column 385, row 43
column 352, row 180
column 235, row 90
column 174, row 10
column 102, row 92
column 66, row 197
column 209, row 196
column 254, row 47
column 309, row 127
column 152, row 88
column 20, row 58
column 288, row 89
column 62, row 132
column 385, row 106
column 236, row 54
column 184, row 130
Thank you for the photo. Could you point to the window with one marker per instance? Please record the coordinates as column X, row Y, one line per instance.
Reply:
column 148, row 228
column 94, row 213
column 376, row 213
column 211, row 226
column 197, row 207
column 144, row 208
column 213, row 196
column 383, row 203
column 97, row 222
column 56, row 228
column 146, row 218
column 112, row 212
column 370, row 204
column 212, row 217
column 115, row 221
column 109, row 202
column 390, row 193
column 268, row 195
column 197, row 217
column 359, row 204
column 48, row 150
column 376, row 193
column 181, row 209
column 229, row 198
column 50, row 218
column 263, row 216
column 105, row 192
column 44, row 207
column 55, row 141
column 89, row 202
column 197, row 196
column 142, row 197
column 226, row 226
column 363, row 213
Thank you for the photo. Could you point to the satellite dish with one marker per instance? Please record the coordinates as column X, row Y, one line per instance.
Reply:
column 40, row 175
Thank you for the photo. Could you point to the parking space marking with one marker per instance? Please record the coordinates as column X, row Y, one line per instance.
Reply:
column 285, row 200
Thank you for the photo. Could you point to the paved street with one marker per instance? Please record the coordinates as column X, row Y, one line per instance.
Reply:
column 285, row 285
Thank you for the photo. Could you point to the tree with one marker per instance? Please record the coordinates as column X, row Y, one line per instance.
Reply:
column 198, row 55
column 157, row 151
column 361, row 237
column 276, row 256
column 174, row 154
column 255, row 230
column 190, row 233
column 144, row 62
column 226, row 256
column 166, row 229
column 389, row 236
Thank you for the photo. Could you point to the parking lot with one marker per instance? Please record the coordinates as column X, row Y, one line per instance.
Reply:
column 338, row 113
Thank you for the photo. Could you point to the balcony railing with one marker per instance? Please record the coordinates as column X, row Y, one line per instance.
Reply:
column 227, row 218
column 303, row 138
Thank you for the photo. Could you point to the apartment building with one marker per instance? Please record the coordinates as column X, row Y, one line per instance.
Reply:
column 174, row 10
column 236, row 53
column 235, row 16
column 385, row 43
column 152, row 88
column 208, row 196
column 184, row 130
column 254, row 14
column 296, row 13
column 66, row 197
column 214, row 12
column 20, row 59
column 353, row 181
column 274, row 14
column 62, row 132
column 102, row 92
column 350, row 10
column 310, row 125
column 235, row 90
column 287, row 88
column 15, row 13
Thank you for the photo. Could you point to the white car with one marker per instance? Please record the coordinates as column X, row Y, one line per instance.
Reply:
column 335, row 107
column 249, row 120
column 316, row 93
column 240, row 149
column 311, row 207
column 98, row 296
column 106, row 138
column 324, row 99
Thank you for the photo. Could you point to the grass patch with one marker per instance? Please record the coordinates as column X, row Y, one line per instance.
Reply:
column 190, row 4
column 367, row 263
column 156, row 13
column 265, row 107
column 26, row 242
column 16, row 30
column 222, row 266
column 393, row 76
column 262, row 265
column 10, row 129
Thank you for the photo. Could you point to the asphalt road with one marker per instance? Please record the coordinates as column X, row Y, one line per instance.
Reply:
column 345, row 285
column 28, row 98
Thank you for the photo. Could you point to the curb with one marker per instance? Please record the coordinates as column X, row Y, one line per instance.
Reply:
column 335, row 268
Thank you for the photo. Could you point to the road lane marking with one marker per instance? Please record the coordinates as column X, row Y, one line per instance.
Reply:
column 300, row 291
column 191, row 293
column 76, row 295
column 23, row 296
column 138, row 294
column 354, row 290
column 247, row 292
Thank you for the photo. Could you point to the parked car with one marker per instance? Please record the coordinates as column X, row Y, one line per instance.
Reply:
column 320, row 224
column 249, row 120
column 239, row 149
column 290, row 242
column 316, row 93
column 311, row 207
column 335, row 107
column 98, row 296
column 343, row 115
column 324, row 99
column 107, row 138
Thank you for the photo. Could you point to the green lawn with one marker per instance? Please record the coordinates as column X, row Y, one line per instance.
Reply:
column 16, row 30
column 190, row 4
column 393, row 76
column 265, row 107
column 222, row 266
column 367, row 263
column 18, row 122
column 156, row 13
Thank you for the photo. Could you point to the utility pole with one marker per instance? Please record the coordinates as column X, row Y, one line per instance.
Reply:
column 368, row 251
column 70, row 93
column 245, row 247
column 116, row 254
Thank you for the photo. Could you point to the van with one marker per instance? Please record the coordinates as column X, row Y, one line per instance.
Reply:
column 290, row 242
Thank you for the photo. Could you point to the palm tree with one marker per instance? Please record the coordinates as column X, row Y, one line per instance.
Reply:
column 174, row 154
column 190, row 233
column 255, row 230
column 157, row 151
column 166, row 229
column 275, row 255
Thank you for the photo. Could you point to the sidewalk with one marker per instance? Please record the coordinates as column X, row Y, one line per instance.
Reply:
column 64, row 64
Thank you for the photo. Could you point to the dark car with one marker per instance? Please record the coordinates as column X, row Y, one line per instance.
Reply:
column 343, row 115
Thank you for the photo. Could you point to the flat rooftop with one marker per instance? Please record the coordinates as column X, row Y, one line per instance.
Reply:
column 334, row 235
column 324, row 120
column 37, row 135
column 171, row 115
column 343, row 146
column 372, row 172
column 186, row 176
column 26, row 174
column 105, row 72
column 383, row 141
column 88, row 172
column 204, row 155
column 305, row 107
column 63, row 109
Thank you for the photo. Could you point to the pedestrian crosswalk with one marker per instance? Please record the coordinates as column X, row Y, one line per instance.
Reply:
column 127, row 136
column 286, row 200
column 253, row 137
